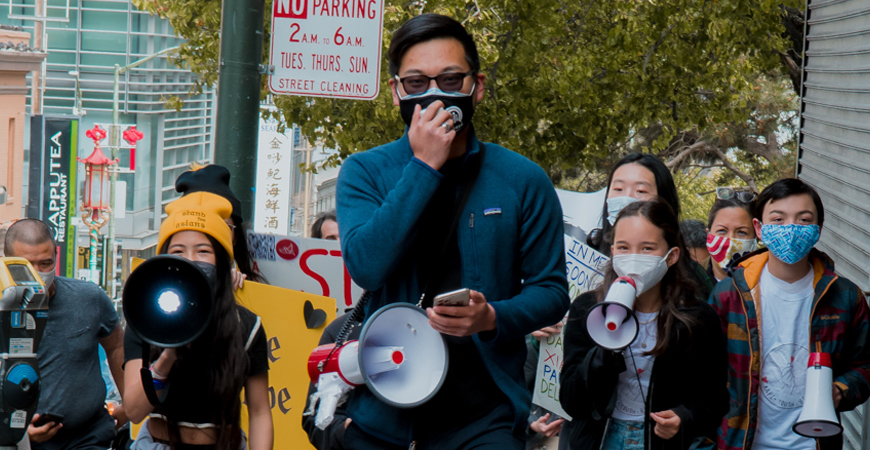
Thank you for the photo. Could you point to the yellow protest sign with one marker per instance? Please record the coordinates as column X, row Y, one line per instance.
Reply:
column 290, row 343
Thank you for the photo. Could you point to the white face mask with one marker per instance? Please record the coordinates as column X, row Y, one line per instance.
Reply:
column 615, row 205
column 47, row 277
column 645, row 270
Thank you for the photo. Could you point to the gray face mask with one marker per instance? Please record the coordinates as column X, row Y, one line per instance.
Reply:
column 47, row 278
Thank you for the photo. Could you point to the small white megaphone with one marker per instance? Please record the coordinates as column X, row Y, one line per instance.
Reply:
column 818, row 418
column 611, row 323
column 399, row 356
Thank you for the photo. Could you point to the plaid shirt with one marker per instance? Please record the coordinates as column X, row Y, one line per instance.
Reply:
column 839, row 326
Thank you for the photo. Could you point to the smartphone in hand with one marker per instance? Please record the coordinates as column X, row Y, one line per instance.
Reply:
column 459, row 297
column 45, row 418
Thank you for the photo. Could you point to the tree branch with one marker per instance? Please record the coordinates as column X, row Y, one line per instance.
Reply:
column 656, row 46
column 684, row 153
column 750, row 181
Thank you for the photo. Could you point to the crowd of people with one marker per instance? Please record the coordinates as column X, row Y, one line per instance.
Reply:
column 725, row 325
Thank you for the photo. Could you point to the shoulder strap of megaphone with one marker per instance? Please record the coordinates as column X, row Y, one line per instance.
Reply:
column 148, row 379
column 470, row 172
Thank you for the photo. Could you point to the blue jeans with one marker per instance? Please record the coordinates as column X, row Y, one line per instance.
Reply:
column 623, row 435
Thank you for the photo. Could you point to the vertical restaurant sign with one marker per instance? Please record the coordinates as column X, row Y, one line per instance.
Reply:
column 327, row 48
column 274, row 169
column 57, row 178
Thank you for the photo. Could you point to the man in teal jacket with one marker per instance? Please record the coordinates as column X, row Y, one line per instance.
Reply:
column 395, row 209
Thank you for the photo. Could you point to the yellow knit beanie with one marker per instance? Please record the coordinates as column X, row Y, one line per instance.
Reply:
column 199, row 211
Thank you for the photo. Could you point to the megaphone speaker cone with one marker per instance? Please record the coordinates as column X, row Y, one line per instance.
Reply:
column 611, row 325
column 168, row 301
column 818, row 417
column 403, row 359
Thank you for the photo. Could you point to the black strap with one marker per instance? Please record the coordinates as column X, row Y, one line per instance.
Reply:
column 148, row 380
column 472, row 169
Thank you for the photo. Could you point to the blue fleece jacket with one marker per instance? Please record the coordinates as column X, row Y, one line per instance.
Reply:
column 510, row 244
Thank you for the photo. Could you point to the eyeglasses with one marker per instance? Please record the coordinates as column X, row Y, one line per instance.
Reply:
column 742, row 196
column 447, row 82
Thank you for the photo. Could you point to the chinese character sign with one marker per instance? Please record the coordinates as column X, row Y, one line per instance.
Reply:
column 274, row 156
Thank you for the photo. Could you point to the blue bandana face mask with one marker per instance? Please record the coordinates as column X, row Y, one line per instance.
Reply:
column 790, row 243
column 615, row 205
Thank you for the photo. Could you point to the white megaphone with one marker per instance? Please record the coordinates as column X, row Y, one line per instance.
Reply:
column 611, row 323
column 818, row 418
column 399, row 356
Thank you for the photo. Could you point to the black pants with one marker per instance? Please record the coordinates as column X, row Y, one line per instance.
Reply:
column 493, row 431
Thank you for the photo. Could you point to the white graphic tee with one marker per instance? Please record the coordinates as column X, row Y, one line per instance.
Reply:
column 785, row 337
column 633, row 384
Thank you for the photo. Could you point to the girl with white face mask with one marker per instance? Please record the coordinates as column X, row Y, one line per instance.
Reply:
column 667, row 389
column 730, row 236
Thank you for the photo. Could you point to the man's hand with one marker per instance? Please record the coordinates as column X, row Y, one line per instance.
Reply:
column 667, row 424
column 463, row 320
column 44, row 432
column 837, row 394
column 430, row 141
column 549, row 430
column 546, row 332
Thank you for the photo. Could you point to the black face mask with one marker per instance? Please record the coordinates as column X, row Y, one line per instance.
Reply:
column 460, row 107
column 210, row 271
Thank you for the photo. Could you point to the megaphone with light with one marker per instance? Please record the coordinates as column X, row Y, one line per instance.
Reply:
column 818, row 418
column 611, row 323
column 399, row 356
column 168, row 301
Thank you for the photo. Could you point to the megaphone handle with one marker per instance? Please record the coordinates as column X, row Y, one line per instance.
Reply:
column 148, row 379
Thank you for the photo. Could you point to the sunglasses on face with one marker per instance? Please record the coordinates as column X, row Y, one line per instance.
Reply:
column 447, row 82
column 742, row 196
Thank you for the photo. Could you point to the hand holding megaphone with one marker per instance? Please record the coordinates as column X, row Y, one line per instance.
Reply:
column 611, row 323
column 399, row 357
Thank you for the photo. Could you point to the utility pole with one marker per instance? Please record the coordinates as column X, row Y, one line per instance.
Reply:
column 238, row 107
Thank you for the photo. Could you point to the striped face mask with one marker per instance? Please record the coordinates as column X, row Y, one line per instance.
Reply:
column 723, row 249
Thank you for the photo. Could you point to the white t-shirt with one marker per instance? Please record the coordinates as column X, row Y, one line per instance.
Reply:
column 630, row 399
column 785, row 338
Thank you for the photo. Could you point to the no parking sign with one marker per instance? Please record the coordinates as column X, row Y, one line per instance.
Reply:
column 327, row 48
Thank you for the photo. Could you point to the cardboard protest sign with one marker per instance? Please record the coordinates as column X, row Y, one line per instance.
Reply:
column 584, row 267
column 307, row 265
column 286, row 319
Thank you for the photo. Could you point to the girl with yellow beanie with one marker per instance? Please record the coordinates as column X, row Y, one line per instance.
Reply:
column 202, row 382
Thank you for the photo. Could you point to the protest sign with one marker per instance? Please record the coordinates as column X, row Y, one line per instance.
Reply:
column 584, row 268
column 290, row 343
column 305, row 264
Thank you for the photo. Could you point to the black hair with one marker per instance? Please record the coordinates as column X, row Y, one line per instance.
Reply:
column 783, row 188
column 427, row 27
column 28, row 231
column 219, row 354
column 677, row 287
column 721, row 204
column 316, row 231
column 665, row 188
column 694, row 233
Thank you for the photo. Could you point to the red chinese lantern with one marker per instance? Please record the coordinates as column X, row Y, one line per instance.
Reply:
column 132, row 136
column 96, row 195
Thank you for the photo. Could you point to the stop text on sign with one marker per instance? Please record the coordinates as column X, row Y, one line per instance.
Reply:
column 327, row 48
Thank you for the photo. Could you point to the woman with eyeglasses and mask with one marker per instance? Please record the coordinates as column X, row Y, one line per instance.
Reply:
column 667, row 388
column 730, row 234
column 641, row 177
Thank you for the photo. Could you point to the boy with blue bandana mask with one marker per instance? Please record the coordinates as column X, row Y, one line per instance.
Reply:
column 765, row 308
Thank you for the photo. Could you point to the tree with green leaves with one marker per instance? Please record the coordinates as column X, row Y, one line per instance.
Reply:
column 571, row 84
